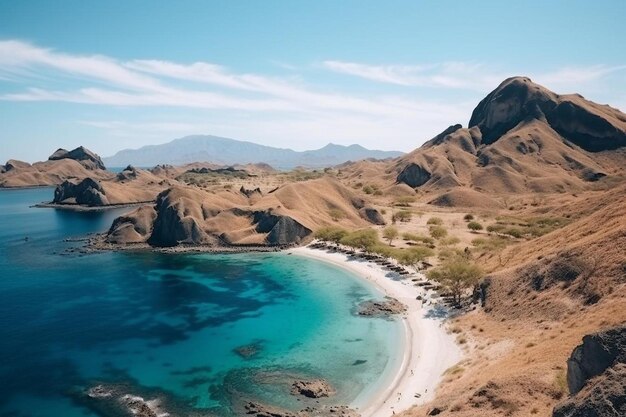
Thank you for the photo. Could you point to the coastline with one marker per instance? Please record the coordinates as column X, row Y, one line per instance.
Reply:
column 78, row 207
column 427, row 352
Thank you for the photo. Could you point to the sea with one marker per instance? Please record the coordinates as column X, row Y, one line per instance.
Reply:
column 202, row 331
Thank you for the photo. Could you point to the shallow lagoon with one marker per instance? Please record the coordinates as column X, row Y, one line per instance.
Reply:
column 198, row 326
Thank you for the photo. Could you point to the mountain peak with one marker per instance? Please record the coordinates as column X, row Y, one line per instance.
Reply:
column 518, row 99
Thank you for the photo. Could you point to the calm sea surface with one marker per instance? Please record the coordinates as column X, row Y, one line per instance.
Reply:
column 201, row 329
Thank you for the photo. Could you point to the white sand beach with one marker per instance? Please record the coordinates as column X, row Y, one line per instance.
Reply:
column 428, row 349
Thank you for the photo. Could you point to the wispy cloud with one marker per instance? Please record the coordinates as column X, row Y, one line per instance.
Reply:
column 472, row 76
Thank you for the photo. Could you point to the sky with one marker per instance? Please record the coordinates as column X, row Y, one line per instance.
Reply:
column 299, row 74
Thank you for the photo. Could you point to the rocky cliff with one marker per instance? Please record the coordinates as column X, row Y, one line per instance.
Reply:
column 81, row 154
column 596, row 376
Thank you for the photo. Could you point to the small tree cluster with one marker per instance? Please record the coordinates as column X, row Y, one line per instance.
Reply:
column 456, row 275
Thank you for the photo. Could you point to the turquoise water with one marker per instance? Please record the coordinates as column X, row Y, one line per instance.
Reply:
column 170, row 322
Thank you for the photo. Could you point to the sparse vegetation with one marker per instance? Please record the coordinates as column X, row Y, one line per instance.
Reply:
column 438, row 232
column 418, row 238
column 390, row 233
column 474, row 226
column 413, row 257
column 336, row 214
column 435, row 221
column 456, row 275
column 331, row 234
column 404, row 201
column 449, row 241
column 468, row 217
column 402, row 216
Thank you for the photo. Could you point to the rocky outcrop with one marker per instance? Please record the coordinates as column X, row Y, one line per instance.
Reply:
column 251, row 193
column 414, row 175
column 81, row 154
column 129, row 173
column 88, row 192
column 176, row 221
column 316, row 388
column 372, row 215
column 597, row 353
column 586, row 124
column 134, row 227
column 596, row 376
column 281, row 230
column 388, row 307
column 255, row 409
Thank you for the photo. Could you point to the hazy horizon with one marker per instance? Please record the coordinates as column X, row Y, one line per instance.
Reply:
column 117, row 76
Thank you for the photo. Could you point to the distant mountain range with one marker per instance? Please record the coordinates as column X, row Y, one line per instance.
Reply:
column 202, row 148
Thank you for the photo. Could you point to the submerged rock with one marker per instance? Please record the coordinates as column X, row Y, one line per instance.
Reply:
column 316, row 388
column 388, row 307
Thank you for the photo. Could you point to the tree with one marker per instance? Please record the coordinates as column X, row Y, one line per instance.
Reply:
column 331, row 234
column 456, row 275
column 364, row 239
column 468, row 217
column 413, row 257
column 474, row 226
column 438, row 232
column 390, row 233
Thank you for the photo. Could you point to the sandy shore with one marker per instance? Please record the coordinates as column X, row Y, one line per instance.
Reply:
column 428, row 349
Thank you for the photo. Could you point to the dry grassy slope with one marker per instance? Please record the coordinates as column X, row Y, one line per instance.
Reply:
column 554, row 290
column 228, row 216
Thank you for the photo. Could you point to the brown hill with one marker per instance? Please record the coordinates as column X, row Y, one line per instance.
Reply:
column 189, row 215
column 62, row 165
column 521, row 137
column 129, row 186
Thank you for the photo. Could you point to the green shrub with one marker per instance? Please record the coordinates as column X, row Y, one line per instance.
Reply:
column 474, row 226
column 468, row 217
column 438, row 232
column 435, row 221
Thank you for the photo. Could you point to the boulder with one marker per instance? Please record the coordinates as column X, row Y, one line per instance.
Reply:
column 88, row 192
column 596, row 377
column 372, row 215
column 81, row 154
column 316, row 388
column 598, row 352
column 280, row 229
column 414, row 175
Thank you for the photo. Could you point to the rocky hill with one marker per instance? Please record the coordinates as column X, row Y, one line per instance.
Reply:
column 521, row 137
column 192, row 216
column 62, row 165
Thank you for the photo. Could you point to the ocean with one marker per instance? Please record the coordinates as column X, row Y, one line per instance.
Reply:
column 203, row 331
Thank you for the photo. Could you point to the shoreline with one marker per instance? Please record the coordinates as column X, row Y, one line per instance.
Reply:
column 79, row 208
column 427, row 352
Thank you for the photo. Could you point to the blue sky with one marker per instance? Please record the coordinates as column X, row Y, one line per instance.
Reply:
column 388, row 75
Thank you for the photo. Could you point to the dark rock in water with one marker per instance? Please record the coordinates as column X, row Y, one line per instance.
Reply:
column 372, row 215
column 414, row 175
column 598, row 352
column 81, row 154
column 596, row 376
column 386, row 308
column 359, row 362
column 316, row 388
column 88, row 192
column 249, row 351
